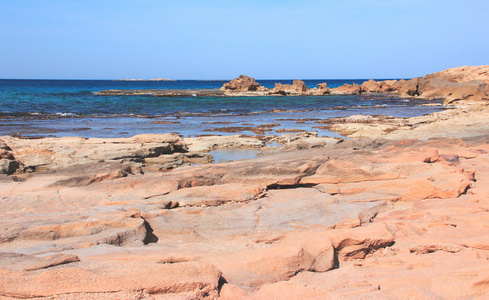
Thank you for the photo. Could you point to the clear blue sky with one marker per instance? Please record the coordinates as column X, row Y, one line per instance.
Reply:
column 221, row 39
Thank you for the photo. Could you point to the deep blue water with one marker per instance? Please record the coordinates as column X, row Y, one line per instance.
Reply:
column 70, row 108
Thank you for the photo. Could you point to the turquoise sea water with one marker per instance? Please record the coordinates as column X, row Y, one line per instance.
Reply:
column 70, row 108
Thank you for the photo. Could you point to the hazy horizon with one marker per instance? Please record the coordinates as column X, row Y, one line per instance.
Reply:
column 217, row 39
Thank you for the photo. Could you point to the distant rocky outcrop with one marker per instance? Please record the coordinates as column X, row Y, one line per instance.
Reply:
column 242, row 84
column 347, row 89
column 298, row 87
column 467, row 84
column 462, row 84
column 321, row 89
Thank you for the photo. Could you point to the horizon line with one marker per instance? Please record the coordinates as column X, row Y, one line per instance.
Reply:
column 171, row 80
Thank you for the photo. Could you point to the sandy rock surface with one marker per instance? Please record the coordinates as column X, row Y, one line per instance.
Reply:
column 337, row 221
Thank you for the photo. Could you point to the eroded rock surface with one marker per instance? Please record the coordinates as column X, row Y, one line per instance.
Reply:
column 52, row 153
column 298, row 87
column 322, row 222
column 463, row 84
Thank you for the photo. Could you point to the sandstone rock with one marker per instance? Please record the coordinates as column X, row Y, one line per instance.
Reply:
column 172, row 161
column 321, row 89
column 392, row 219
column 21, row 262
column 264, row 265
column 233, row 292
column 117, row 232
column 4, row 145
column 298, row 87
column 291, row 290
column 344, row 171
column 348, row 89
column 331, row 189
column 209, row 143
column 52, row 153
column 371, row 86
column 4, row 154
column 242, row 83
column 86, row 177
column 215, row 195
column 409, row 87
column 285, row 173
column 467, row 84
column 357, row 242
column 267, row 265
column 473, row 91
column 463, row 74
column 8, row 166
column 190, row 280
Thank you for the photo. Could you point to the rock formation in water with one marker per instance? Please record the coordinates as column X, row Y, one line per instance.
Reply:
column 463, row 84
column 298, row 87
column 321, row 89
column 242, row 84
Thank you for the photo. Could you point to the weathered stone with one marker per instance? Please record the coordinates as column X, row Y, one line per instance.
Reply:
column 52, row 153
column 298, row 87
column 242, row 84
column 8, row 166
column 348, row 89
column 215, row 195
column 190, row 280
column 21, row 262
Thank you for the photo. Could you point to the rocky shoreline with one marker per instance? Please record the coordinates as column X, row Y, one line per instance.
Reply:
column 397, row 211
column 463, row 84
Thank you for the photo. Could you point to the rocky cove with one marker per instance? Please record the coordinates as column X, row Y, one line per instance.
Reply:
column 399, row 210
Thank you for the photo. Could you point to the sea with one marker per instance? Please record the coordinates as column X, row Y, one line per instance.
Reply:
column 59, row 108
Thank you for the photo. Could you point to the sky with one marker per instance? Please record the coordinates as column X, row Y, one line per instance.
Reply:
column 222, row 39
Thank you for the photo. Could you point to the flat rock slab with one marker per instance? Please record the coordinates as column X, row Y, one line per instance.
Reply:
column 256, row 224
column 193, row 279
